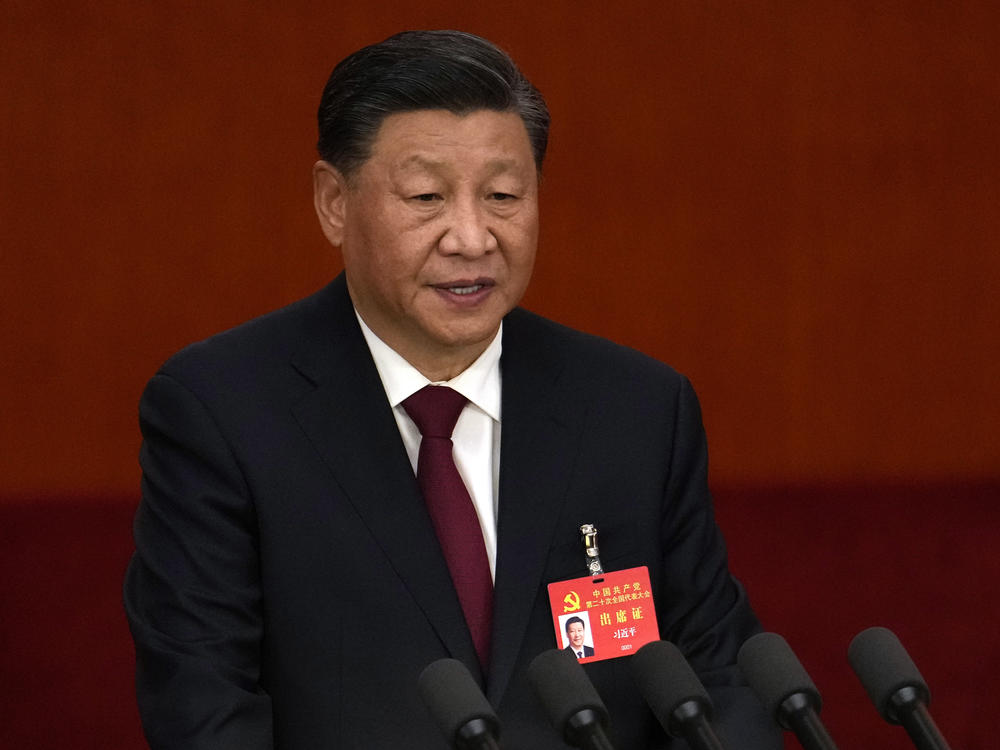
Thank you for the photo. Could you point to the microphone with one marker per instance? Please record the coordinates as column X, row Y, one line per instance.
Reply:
column 895, row 686
column 785, row 689
column 458, row 706
column 676, row 695
column 570, row 699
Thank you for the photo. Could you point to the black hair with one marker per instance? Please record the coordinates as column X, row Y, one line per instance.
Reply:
column 415, row 70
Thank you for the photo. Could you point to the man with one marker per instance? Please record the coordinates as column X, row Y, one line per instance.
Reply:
column 294, row 573
column 575, row 633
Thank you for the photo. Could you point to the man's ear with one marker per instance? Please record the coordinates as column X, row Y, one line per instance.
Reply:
column 329, row 197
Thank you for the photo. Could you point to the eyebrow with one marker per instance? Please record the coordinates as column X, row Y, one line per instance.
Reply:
column 494, row 166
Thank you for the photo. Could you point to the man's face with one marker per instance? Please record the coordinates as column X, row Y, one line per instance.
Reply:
column 440, row 227
column 575, row 633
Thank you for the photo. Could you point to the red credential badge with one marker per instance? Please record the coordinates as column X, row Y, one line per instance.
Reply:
column 604, row 616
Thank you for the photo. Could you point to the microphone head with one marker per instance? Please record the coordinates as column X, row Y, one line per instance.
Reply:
column 565, row 690
column 454, row 699
column 775, row 674
column 667, row 682
column 884, row 668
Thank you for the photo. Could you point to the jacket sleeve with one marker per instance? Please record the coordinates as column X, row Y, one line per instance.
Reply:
column 705, row 610
column 192, row 590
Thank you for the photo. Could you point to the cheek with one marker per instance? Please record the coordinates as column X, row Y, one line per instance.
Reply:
column 523, row 240
column 521, row 262
column 392, row 252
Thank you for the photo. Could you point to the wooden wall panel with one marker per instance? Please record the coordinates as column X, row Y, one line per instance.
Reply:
column 794, row 203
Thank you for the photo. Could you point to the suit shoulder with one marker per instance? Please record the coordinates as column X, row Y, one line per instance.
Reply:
column 592, row 356
column 264, row 342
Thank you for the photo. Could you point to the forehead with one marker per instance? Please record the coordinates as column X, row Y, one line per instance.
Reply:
column 425, row 138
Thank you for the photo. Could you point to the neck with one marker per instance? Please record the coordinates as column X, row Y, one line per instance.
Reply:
column 441, row 369
column 436, row 362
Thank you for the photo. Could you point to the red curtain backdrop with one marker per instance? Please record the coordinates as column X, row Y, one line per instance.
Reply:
column 794, row 203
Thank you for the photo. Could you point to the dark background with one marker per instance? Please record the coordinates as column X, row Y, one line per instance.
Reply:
column 796, row 204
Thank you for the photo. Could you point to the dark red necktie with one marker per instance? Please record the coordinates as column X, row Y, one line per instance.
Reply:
column 435, row 409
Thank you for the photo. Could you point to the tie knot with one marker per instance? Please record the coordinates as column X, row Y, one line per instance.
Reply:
column 435, row 409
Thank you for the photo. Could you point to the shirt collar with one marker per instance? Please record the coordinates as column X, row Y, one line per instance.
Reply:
column 479, row 382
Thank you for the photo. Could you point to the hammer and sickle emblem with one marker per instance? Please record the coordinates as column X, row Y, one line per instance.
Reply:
column 572, row 602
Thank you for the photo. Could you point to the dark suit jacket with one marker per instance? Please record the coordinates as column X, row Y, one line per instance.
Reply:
column 587, row 650
column 287, row 587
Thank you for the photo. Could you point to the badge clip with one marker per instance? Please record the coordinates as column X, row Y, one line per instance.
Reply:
column 588, row 534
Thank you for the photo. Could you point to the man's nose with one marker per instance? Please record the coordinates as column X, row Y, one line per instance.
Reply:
column 468, row 231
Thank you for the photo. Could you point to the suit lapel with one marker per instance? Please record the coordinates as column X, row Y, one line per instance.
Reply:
column 348, row 418
column 541, row 423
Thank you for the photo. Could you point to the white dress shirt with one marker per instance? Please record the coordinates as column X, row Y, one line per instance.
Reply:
column 476, row 437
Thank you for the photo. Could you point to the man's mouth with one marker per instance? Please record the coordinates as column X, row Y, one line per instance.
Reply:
column 463, row 288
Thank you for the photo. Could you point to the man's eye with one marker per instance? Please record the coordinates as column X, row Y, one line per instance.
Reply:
column 502, row 196
column 426, row 197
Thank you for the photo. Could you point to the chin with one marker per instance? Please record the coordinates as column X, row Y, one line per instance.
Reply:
column 468, row 333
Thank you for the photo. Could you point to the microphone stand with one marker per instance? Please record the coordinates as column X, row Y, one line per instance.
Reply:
column 802, row 719
column 916, row 720
column 585, row 725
